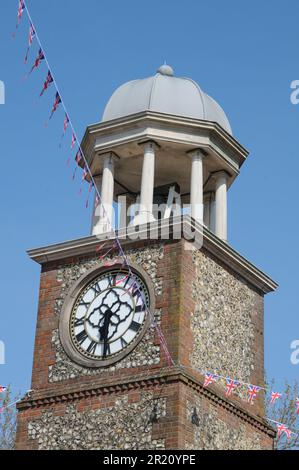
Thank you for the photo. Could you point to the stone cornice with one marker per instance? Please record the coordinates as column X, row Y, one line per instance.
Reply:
column 166, row 376
column 135, row 119
column 221, row 250
column 181, row 134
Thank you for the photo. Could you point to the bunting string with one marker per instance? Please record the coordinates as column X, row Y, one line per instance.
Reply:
column 232, row 385
column 9, row 405
column 86, row 170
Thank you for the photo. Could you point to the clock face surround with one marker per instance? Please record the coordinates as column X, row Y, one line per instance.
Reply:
column 106, row 315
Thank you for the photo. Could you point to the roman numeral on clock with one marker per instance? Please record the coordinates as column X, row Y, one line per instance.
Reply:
column 106, row 350
column 123, row 342
column 136, row 291
column 92, row 347
column 135, row 326
column 139, row 308
column 96, row 289
column 127, row 278
column 81, row 337
column 112, row 280
column 79, row 322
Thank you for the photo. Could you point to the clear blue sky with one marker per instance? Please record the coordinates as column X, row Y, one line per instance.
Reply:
column 244, row 54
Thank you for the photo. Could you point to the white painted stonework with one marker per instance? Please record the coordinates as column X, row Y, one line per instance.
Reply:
column 145, row 213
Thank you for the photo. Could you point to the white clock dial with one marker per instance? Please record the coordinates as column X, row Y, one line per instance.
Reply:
column 109, row 314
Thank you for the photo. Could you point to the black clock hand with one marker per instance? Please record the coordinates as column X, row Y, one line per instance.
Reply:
column 104, row 330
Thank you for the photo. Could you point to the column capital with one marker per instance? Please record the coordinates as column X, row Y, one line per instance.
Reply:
column 199, row 153
column 111, row 155
column 149, row 144
column 220, row 174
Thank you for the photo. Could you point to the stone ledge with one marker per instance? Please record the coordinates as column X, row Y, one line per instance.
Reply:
column 222, row 251
column 166, row 377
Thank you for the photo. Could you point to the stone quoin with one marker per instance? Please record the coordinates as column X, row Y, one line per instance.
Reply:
column 101, row 375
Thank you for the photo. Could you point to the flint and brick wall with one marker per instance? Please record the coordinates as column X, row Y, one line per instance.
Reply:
column 212, row 320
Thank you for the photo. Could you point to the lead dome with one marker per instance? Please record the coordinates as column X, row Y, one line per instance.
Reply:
column 165, row 93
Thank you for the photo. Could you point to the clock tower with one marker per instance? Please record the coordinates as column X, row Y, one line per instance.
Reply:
column 130, row 319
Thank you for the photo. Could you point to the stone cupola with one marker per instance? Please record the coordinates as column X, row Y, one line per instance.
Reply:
column 163, row 133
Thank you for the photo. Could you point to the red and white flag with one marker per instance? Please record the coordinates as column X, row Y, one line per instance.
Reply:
column 274, row 396
column 65, row 123
column 74, row 140
column 56, row 104
column 85, row 173
column 38, row 60
column 65, row 126
column 21, row 8
column 30, row 40
column 47, row 83
column 252, row 392
column 231, row 386
column 282, row 429
column 79, row 157
column 209, row 379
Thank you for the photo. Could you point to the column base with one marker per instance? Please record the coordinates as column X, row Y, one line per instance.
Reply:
column 102, row 227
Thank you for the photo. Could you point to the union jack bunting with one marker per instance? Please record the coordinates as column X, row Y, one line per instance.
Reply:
column 2, row 389
column 282, row 429
column 78, row 157
column 38, row 60
column 274, row 397
column 85, row 173
column 30, row 40
column 209, row 379
column 65, row 123
column 21, row 8
column 252, row 392
column 56, row 104
column 65, row 126
column 96, row 201
column 231, row 386
column 47, row 83
column 74, row 140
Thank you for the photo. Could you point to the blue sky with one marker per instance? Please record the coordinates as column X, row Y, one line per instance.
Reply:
column 244, row 54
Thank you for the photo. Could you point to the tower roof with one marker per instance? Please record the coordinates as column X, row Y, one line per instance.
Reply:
column 165, row 93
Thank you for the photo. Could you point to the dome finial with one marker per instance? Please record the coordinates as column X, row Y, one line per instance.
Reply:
column 166, row 70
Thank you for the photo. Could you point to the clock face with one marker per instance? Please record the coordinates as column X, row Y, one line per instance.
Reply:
column 109, row 315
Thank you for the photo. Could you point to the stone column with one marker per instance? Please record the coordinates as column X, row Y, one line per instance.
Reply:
column 207, row 209
column 221, row 178
column 145, row 213
column 96, row 207
column 196, row 190
column 105, row 209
